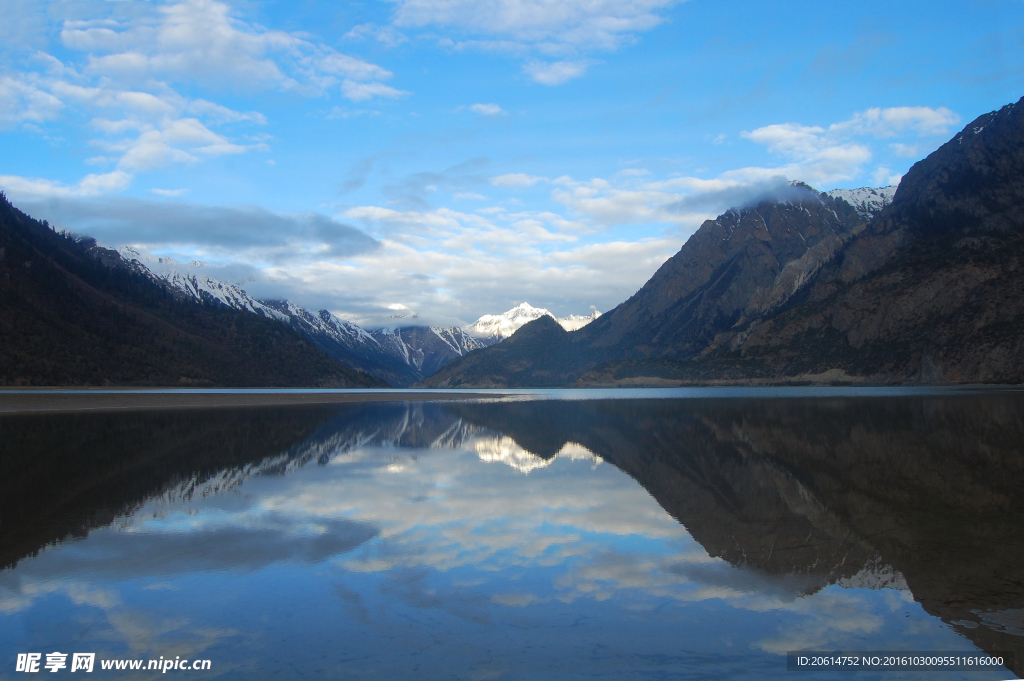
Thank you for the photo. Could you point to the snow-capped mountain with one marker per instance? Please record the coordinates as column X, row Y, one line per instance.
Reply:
column 322, row 323
column 427, row 348
column 498, row 327
column 400, row 355
column 191, row 280
column 577, row 321
column 868, row 201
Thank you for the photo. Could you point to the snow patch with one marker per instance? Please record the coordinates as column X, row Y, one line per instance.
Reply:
column 867, row 201
column 501, row 326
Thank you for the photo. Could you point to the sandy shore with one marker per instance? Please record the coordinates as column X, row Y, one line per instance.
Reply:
column 61, row 400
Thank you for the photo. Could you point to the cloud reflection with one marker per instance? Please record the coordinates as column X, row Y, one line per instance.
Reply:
column 406, row 510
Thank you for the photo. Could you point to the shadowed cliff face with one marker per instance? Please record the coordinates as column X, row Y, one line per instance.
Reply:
column 816, row 492
column 741, row 265
column 932, row 290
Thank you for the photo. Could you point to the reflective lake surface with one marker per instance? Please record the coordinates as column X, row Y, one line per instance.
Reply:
column 534, row 538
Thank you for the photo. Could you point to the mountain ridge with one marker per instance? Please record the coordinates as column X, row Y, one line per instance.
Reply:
column 399, row 355
column 73, row 313
column 805, row 289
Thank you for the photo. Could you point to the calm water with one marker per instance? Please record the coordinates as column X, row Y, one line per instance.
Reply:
column 541, row 538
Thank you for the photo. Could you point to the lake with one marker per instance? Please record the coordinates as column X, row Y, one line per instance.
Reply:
column 548, row 535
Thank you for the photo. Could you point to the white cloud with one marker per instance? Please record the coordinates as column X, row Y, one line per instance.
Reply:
column 538, row 30
column 922, row 120
column 486, row 109
column 906, row 150
column 885, row 177
column 602, row 24
column 473, row 264
column 556, row 73
column 194, row 39
column 359, row 92
column 827, row 155
column 143, row 103
column 22, row 102
column 789, row 138
column 355, row 69
column 386, row 35
column 201, row 41
column 222, row 114
column 170, row 192
column 89, row 186
column 609, row 205
column 182, row 140
column 516, row 180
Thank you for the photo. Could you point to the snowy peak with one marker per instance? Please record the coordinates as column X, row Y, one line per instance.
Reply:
column 867, row 201
column 501, row 326
column 185, row 280
column 321, row 325
column 577, row 321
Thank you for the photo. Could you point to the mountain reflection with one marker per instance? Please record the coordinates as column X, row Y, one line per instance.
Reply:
column 855, row 492
column 918, row 493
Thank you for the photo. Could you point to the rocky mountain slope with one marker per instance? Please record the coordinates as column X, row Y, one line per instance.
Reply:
column 426, row 348
column 808, row 287
column 398, row 355
column 72, row 313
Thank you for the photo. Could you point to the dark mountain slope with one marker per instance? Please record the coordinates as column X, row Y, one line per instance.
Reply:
column 70, row 316
column 798, row 290
column 535, row 355
column 347, row 343
column 747, row 262
column 932, row 289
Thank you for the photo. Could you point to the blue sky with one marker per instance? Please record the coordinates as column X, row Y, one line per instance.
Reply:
column 456, row 157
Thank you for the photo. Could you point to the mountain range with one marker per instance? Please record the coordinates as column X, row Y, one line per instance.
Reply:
column 918, row 283
column 74, row 313
column 921, row 284
column 53, row 335
column 397, row 355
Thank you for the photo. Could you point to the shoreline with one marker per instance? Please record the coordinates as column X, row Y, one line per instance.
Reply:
column 58, row 400
column 42, row 400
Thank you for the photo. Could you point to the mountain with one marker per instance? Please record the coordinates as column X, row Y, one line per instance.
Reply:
column 494, row 328
column 73, row 313
column 747, row 262
column 807, row 287
column 398, row 355
column 426, row 348
column 911, row 493
column 866, row 201
column 191, row 280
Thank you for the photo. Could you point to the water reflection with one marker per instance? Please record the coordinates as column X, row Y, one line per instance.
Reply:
column 511, row 540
